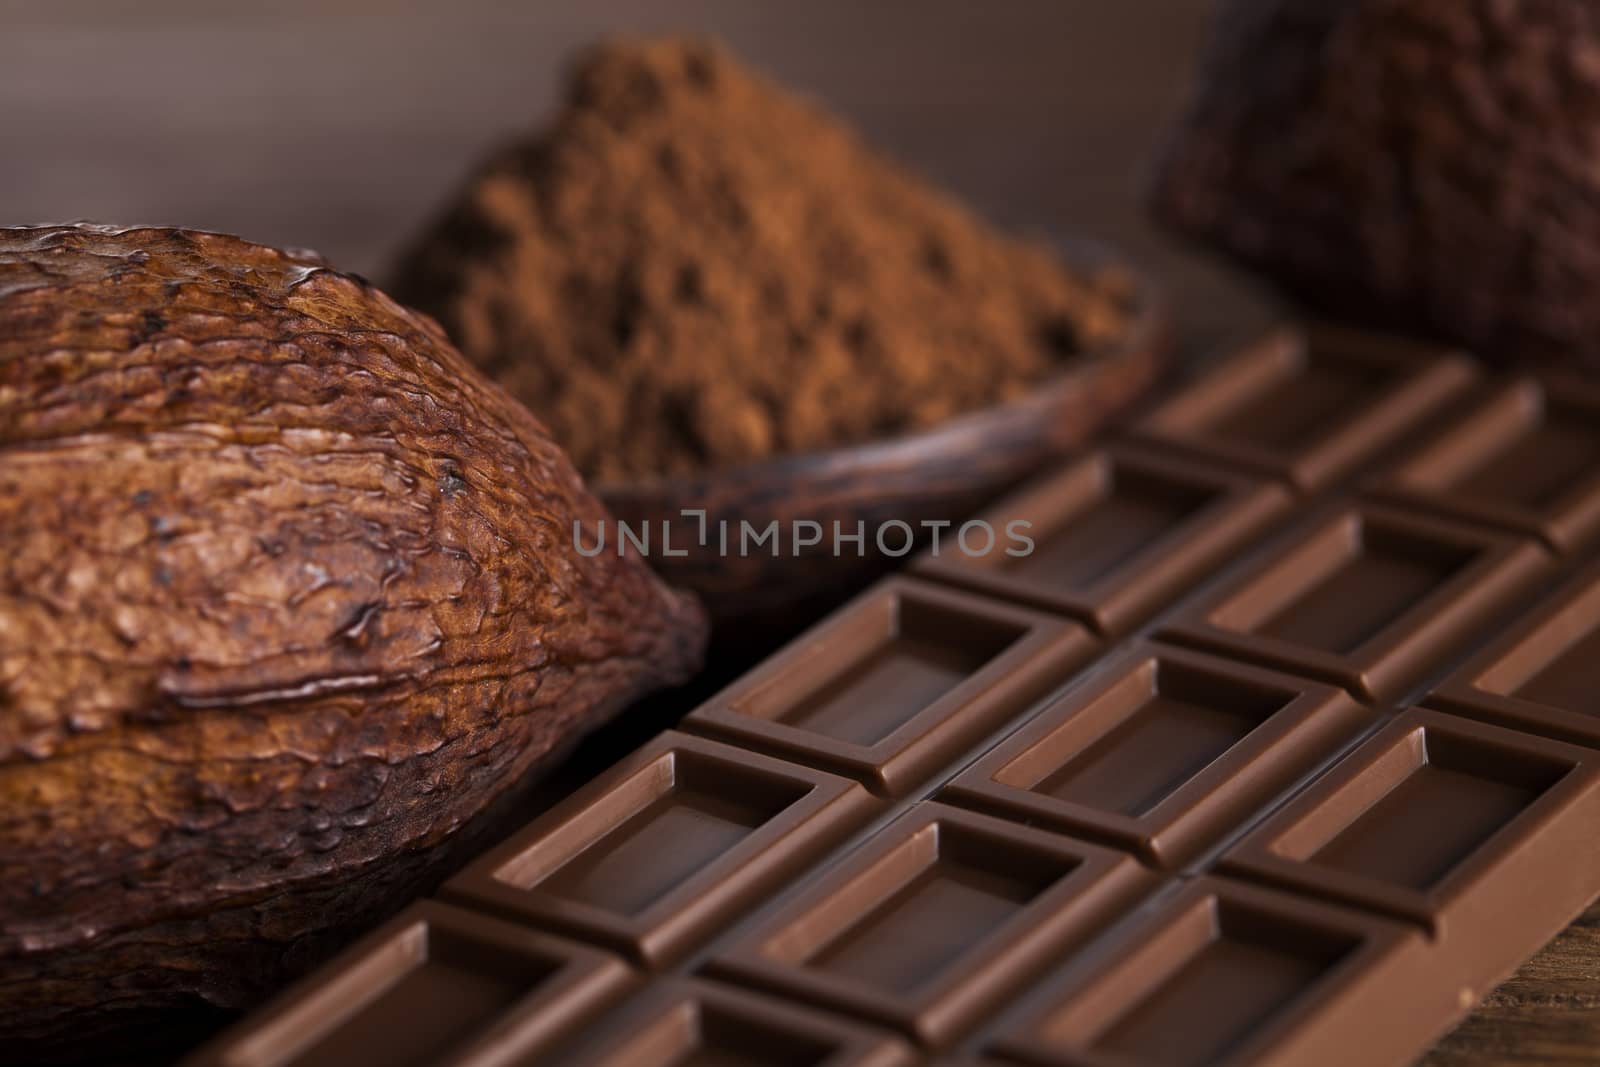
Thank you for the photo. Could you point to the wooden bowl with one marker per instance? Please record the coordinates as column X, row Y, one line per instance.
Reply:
column 946, row 472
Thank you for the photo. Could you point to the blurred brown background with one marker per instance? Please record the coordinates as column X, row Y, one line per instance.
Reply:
column 340, row 124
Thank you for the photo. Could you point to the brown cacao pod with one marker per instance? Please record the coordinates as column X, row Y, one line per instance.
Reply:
column 1425, row 164
column 289, row 598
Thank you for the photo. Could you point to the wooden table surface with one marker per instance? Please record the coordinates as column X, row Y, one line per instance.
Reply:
column 341, row 124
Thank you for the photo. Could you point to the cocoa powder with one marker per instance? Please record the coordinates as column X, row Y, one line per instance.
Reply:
column 692, row 268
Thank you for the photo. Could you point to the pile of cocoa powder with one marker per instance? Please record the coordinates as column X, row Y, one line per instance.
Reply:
column 693, row 268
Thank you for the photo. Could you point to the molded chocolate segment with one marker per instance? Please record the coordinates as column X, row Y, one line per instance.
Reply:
column 1527, row 458
column 1115, row 536
column 897, row 683
column 937, row 918
column 1544, row 675
column 1164, row 752
column 1474, row 831
column 666, row 846
column 1230, row 974
column 680, row 1023
column 1369, row 598
column 435, row 986
column 1309, row 412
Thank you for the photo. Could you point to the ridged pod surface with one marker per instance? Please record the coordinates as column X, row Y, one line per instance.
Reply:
column 289, row 598
column 1432, row 165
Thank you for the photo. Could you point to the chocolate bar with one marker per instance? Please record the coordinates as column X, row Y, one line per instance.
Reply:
column 1279, row 748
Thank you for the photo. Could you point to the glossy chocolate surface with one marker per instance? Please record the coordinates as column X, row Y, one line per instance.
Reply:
column 1280, row 749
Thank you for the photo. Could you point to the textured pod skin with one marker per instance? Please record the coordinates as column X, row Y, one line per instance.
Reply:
column 1429, row 164
column 288, row 597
